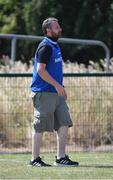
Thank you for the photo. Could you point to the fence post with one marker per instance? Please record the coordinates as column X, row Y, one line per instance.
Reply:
column 13, row 50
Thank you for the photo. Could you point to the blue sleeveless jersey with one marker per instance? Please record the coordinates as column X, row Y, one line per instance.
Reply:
column 54, row 68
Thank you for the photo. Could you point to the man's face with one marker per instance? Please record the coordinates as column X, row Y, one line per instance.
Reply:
column 55, row 30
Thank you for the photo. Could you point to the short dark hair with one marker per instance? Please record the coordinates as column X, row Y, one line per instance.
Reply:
column 47, row 24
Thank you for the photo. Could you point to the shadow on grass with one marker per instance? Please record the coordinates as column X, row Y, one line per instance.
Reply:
column 96, row 166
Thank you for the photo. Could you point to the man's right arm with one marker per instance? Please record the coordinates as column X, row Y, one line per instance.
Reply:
column 41, row 69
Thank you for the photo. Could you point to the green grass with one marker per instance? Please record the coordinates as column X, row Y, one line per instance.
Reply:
column 92, row 166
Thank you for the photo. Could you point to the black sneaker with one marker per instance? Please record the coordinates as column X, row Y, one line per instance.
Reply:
column 38, row 163
column 65, row 161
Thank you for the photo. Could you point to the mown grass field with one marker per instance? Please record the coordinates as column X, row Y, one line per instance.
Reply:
column 92, row 166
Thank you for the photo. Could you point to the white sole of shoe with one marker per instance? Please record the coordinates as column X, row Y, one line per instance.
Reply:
column 64, row 165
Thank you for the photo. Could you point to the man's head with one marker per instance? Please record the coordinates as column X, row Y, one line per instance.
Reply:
column 51, row 28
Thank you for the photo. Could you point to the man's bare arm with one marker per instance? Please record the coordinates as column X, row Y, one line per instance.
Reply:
column 41, row 69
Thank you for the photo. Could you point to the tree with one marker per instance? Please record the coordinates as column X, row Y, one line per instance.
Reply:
column 89, row 19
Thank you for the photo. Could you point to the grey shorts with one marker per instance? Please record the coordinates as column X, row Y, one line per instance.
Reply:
column 50, row 112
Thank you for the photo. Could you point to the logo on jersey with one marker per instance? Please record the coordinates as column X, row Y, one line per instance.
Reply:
column 58, row 59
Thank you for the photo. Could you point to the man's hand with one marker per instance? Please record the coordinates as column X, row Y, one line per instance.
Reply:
column 61, row 91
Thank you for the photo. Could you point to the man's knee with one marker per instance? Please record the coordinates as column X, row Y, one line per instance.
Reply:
column 62, row 132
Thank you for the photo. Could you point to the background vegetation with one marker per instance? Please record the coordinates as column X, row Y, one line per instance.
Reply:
column 89, row 19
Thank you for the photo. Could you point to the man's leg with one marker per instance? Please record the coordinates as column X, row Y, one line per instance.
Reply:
column 61, row 141
column 36, row 143
column 62, row 159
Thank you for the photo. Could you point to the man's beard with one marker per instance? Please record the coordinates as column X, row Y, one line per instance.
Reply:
column 56, row 36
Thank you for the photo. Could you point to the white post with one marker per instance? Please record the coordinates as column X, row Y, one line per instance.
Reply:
column 13, row 50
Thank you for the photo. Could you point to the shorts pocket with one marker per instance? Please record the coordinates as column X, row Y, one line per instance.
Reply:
column 36, row 99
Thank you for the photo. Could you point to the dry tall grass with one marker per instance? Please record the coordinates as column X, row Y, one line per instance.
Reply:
column 7, row 67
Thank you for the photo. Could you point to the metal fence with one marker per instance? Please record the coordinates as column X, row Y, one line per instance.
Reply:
column 90, row 100
column 15, row 37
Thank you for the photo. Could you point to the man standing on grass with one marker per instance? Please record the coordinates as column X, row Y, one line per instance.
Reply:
column 49, row 96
